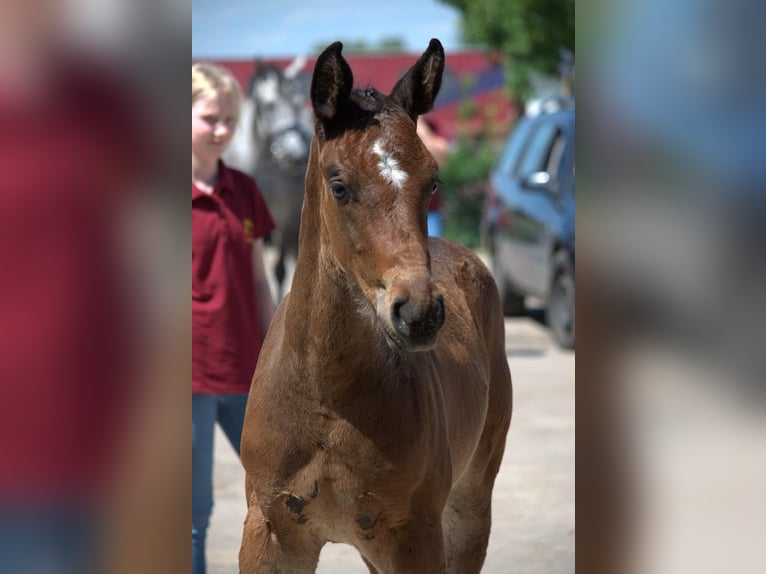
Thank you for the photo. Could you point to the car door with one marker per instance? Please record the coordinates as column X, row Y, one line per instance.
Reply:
column 533, row 207
column 557, row 213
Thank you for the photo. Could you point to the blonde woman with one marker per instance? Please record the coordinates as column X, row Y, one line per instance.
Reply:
column 232, row 304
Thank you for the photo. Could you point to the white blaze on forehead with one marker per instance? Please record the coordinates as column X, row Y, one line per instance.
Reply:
column 388, row 166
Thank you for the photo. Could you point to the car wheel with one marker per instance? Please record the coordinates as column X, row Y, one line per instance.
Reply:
column 561, row 302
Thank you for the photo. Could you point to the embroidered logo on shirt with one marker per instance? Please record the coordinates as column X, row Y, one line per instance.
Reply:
column 249, row 228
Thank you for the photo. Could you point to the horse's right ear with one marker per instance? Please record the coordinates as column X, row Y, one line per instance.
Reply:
column 331, row 84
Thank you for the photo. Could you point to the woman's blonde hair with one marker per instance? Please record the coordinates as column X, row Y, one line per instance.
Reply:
column 209, row 79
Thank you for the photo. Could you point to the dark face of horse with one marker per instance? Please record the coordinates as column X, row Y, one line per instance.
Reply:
column 282, row 119
column 377, row 178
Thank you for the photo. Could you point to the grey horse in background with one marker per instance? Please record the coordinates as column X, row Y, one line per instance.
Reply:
column 272, row 145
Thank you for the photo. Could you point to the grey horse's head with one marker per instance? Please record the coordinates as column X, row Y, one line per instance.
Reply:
column 275, row 124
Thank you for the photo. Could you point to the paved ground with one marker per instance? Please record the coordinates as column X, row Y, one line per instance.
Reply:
column 534, row 496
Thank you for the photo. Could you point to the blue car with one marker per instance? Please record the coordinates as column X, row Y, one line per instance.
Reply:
column 530, row 217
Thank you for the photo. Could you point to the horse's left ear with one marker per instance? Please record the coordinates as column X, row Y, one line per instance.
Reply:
column 416, row 90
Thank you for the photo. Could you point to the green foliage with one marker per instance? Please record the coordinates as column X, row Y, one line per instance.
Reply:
column 386, row 45
column 391, row 44
column 466, row 170
column 528, row 33
column 464, row 178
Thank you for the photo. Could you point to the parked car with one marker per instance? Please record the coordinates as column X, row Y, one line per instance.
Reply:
column 530, row 216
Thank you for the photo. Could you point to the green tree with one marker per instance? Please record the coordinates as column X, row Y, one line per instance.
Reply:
column 391, row 44
column 529, row 34
column 464, row 180
column 388, row 44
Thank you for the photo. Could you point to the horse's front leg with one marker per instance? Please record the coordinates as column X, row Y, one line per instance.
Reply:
column 414, row 548
column 276, row 546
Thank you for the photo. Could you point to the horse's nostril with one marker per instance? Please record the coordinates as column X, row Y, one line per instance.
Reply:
column 437, row 310
column 417, row 322
column 401, row 323
column 397, row 305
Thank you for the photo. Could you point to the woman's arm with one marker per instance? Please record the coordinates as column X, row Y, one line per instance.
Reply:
column 263, row 296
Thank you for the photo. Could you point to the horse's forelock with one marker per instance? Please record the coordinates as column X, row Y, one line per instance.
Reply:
column 368, row 99
column 359, row 112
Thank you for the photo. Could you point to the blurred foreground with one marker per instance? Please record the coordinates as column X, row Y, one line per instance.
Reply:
column 94, row 349
column 670, row 286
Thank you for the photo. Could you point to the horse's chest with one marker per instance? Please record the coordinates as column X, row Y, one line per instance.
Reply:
column 348, row 509
column 354, row 488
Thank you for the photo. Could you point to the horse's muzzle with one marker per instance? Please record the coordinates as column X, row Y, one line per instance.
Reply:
column 417, row 324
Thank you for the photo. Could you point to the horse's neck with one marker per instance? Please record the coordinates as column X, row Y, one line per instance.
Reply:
column 326, row 314
column 332, row 328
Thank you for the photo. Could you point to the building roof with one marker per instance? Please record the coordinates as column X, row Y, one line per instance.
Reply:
column 473, row 79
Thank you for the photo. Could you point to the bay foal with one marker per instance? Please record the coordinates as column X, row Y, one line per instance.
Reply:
column 382, row 398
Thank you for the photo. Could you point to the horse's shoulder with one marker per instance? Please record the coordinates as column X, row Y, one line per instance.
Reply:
column 453, row 259
column 458, row 269
column 270, row 354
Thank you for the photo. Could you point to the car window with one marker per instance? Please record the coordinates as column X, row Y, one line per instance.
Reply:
column 561, row 160
column 556, row 155
column 509, row 155
column 536, row 154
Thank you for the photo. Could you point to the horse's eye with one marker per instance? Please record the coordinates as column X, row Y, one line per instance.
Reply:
column 339, row 191
column 435, row 189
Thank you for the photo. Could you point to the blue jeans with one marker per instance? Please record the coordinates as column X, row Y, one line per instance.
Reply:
column 229, row 412
column 55, row 539
column 435, row 224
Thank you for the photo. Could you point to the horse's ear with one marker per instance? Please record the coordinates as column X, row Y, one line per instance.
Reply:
column 417, row 89
column 331, row 84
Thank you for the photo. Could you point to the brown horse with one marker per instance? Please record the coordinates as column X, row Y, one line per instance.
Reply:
column 382, row 397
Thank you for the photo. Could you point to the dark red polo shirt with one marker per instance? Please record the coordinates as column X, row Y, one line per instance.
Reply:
column 226, row 332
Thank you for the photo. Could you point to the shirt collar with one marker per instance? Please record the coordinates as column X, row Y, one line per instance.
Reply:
column 196, row 193
column 225, row 178
column 224, row 182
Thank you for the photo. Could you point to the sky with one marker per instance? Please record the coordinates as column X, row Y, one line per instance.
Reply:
column 274, row 28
